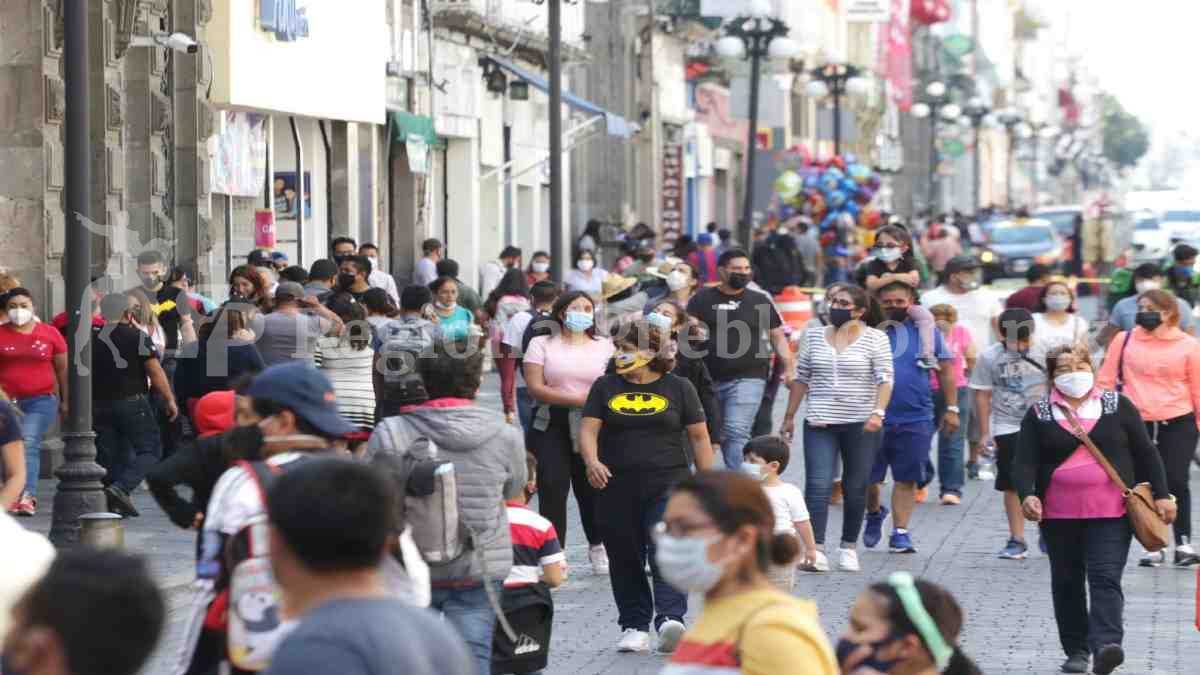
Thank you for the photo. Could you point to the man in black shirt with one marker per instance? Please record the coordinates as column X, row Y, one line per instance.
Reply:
column 740, row 321
column 352, row 276
column 127, row 433
column 170, row 302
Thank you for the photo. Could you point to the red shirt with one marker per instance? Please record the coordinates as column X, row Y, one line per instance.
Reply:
column 1026, row 298
column 27, row 360
column 60, row 322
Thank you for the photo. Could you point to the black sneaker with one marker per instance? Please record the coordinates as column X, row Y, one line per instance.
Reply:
column 1108, row 658
column 119, row 502
column 1185, row 555
column 1076, row 663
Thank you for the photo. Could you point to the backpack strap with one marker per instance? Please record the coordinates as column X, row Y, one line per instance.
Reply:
column 1121, row 362
column 262, row 473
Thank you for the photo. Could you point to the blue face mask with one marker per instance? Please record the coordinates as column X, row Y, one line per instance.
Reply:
column 845, row 648
column 660, row 321
column 579, row 321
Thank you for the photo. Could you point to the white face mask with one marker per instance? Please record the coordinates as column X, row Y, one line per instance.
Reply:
column 683, row 563
column 1058, row 303
column 540, row 267
column 1076, row 384
column 754, row 470
column 1146, row 285
column 677, row 281
column 888, row 255
column 585, row 265
column 20, row 316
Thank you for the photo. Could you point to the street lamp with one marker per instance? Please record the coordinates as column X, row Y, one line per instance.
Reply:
column 837, row 80
column 759, row 36
column 1011, row 119
column 936, row 104
column 976, row 112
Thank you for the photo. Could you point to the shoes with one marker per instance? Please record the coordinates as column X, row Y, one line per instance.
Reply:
column 901, row 542
column 835, row 497
column 1153, row 559
column 1186, row 555
column 26, row 505
column 119, row 502
column 634, row 640
column 873, row 527
column 598, row 557
column 987, row 471
column 848, row 560
column 1076, row 663
column 1107, row 659
column 973, row 470
column 669, row 633
column 821, row 564
column 1015, row 549
column 951, row 499
column 922, row 494
column 927, row 362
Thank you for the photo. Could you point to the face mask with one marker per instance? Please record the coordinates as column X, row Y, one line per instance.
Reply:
column 150, row 280
column 839, row 316
column 20, row 316
column 845, row 648
column 540, row 267
column 660, row 321
column 683, row 563
column 1149, row 320
column 888, row 255
column 1183, row 270
column 1058, row 303
column 1075, row 385
column 677, row 281
column 579, row 321
column 627, row 362
column 971, row 283
column 738, row 280
column 1147, row 285
column 585, row 265
column 346, row 280
column 896, row 314
column 444, row 306
column 753, row 470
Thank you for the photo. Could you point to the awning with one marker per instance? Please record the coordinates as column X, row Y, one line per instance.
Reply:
column 616, row 125
column 402, row 125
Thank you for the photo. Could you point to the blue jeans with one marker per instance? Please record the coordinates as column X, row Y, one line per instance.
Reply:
column 822, row 447
column 128, row 442
column 524, row 407
column 739, row 401
column 469, row 611
column 951, row 446
column 37, row 414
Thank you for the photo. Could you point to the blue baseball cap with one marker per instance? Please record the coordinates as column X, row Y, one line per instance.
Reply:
column 704, row 239
column 305, row 391
column 279, row 256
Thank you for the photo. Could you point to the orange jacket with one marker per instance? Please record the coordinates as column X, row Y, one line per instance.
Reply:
column 1161, row 372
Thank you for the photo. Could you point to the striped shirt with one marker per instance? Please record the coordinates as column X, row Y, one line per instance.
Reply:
column 349, row 371
column 535, row 545
column 843, row 387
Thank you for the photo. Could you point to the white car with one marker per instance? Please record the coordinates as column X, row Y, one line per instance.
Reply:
column 1151, row 241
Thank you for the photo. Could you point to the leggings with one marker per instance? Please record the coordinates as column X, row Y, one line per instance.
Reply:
column 1176, row 442
column 559, row 468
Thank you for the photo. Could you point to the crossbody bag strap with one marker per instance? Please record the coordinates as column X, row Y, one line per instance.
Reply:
column 1121, row 362
column 1082, row 435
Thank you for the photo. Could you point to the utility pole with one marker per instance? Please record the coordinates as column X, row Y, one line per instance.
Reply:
column 554, row 63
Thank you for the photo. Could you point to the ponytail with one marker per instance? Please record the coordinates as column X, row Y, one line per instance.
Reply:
column 960, row 664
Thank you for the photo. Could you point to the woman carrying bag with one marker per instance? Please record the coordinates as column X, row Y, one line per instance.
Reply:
column 1072, row 445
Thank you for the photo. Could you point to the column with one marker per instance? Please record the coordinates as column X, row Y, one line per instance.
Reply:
column 344, row 177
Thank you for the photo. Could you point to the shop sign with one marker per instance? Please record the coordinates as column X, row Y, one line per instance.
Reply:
column 672, row 191
column 264, row 228
column 283, row 18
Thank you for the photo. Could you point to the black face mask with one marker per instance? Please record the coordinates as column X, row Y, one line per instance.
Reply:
column 346, row 280
column 738, row 280
column 896, row 314
column 839, row 316
column 845, row 648
column 1149, row 320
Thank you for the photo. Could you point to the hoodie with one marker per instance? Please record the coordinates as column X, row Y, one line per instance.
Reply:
column 489, row 465
column 1161, row 372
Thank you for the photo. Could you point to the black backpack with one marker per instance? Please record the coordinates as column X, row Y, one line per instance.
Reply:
column 530, row 611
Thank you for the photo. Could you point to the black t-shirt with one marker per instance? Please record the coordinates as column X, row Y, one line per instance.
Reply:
column 642, row 424
column 877, row 268
column 727, row 318
column 170, row 301
column 120, row 374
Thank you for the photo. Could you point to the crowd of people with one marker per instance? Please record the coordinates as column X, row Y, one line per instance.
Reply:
column 346, row 487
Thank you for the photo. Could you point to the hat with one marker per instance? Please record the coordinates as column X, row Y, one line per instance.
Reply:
column 289, row 289
column 213, row 413
column 305, row 391
column 279, row 256
column 662, row 270
column 961, row 263
column 259, row 258
column 704, row 239
column 614, row 284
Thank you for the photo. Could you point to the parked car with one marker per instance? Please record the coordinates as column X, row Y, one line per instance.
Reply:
column 1066, row 219
column 1014, row 246
column 1151, row 243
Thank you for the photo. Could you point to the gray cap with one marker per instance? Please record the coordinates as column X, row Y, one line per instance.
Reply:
column 289, row 289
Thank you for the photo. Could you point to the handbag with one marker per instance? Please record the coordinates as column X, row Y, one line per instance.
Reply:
column 1150, row 530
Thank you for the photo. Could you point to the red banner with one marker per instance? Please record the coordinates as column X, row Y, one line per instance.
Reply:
column 896, row 56
column 264, row 228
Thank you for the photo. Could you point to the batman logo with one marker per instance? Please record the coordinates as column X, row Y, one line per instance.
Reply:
column 638, row 403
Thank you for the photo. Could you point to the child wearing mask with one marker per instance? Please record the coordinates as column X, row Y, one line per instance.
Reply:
column 765, row 458
column 894, row 261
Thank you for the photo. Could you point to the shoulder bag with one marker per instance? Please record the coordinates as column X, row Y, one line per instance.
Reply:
column 1121, row 362
column 1150, row 530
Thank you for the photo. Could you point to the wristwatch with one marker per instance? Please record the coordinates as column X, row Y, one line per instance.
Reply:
column 953, row 408
column 879, row 412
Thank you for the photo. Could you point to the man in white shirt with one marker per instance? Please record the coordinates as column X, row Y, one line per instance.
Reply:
column 378, row 278
column 426, row 271
column 493, row 270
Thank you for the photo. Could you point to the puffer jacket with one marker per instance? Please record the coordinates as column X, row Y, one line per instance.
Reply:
column 489, row 466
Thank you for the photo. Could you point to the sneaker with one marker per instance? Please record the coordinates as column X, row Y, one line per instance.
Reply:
column 598, row 557
column 848, row 560
column 1153, row 559
column 1015, row 549
column 119, row 502
column 1185, row 555
column 973, row 470
column 987, row 472
column 873, row 527
column 922, row 494
column 821, row 564
column 901, row 542
column 1076, row 663
column 835, row 497
column 951, row 499
column 26, row 505
column 927, row 362
column 669, row 633
column 1107, row 659
column 634, row 640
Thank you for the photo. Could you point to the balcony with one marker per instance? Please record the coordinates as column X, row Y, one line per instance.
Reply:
column 509, row 22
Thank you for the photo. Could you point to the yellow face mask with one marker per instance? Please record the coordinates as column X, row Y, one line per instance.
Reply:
column 628, row 362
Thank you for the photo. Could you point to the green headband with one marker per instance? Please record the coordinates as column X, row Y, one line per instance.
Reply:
column 910, row 599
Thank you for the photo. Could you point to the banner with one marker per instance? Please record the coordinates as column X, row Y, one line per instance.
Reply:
column 896, row 56
column 239, row 167
column 672, row 192
column 264, row 228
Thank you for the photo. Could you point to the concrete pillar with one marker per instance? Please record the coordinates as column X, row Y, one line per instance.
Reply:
column 107, row 121
column 344, row 175
column 462, row 166
column 368, row 185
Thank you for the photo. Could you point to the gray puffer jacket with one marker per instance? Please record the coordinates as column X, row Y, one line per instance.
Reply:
column 489, row 465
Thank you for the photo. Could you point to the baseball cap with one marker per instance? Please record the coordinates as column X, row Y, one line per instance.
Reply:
column 214, row 413
column 279, row 256
column 704, row 239
column 259, row 258
column 305, row 391
column 289, row 289
column 961, row 263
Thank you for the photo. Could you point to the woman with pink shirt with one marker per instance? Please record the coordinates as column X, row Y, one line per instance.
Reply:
column 1157, row 366
column 559, row 371
column 1081, row 511
column 950, row 469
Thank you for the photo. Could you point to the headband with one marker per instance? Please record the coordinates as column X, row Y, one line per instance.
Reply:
column 910, row 599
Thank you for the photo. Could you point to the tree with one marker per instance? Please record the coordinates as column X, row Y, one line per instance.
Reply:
column 1126, row 139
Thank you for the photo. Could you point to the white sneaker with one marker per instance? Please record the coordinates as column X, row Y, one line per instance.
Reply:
column 848, row 560
column 1153, row 559
column 669, row 634
column 599, row 559
column 821, row 564
column 634, row 640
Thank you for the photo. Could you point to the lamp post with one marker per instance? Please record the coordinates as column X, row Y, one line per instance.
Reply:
column 976, row 111
column 936, row 104
column 837, row 80
column 79, row 490
column 756, row 36
column 1012, row 120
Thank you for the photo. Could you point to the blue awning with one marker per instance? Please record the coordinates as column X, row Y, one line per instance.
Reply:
column 616, row 125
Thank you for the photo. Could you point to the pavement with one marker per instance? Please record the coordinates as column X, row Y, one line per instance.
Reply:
column 1009, row 623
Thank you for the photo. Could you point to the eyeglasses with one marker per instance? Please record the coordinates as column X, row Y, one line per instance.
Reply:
column 841, row 303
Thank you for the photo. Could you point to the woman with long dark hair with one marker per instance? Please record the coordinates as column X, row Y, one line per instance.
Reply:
column 379, row 306
column 683, row 331
column 539, row 268
column 510, row 297
column 246, row 284
column 227, row 340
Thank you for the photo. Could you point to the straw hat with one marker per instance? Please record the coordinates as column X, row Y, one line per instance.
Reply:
column 662, row 270
column 614, row 284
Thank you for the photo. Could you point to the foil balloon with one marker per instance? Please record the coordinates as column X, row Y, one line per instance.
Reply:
column 837, row 199
column 788, row 184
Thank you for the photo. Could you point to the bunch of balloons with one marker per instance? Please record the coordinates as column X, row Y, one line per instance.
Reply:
column 836, row 193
